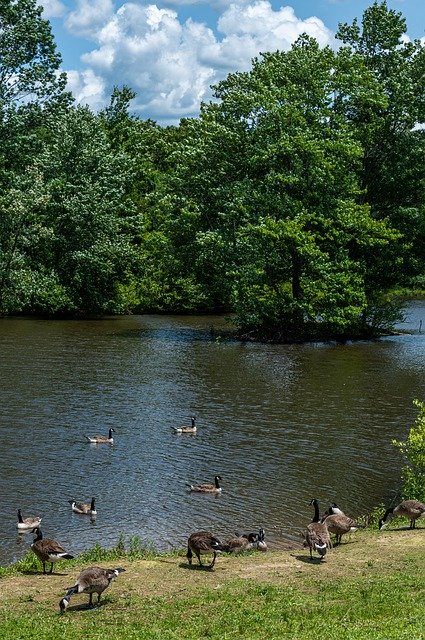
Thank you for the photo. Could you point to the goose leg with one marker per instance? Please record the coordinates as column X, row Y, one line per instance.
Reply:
column 213, row 562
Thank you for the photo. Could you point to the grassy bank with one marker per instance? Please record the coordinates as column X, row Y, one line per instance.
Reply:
column 372, row 586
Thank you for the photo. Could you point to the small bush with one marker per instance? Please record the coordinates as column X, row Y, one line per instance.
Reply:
column 413, row 449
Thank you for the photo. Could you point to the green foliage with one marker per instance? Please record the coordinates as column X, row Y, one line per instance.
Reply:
column 296, row 200
column 28, row 58
column 413, row 450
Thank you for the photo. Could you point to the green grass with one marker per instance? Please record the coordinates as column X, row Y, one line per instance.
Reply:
column 373, row 586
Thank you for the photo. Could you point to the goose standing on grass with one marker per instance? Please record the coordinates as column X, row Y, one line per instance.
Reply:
column 27, row 524
column 102, row 439
column 85, row 508
column 91, row 580
column 207, row 488
column 201, row 543
column 411, row 509
column 317, row 535
column 187, row 429
column 240, row 543
column 48, row 550
column 339, row 524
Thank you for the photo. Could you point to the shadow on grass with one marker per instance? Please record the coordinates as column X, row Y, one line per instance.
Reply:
column 34, row 572
column 195, row 567
column 85, row 606
column 308, row 560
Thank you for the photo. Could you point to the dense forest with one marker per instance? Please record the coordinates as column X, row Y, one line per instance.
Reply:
column 295, row 201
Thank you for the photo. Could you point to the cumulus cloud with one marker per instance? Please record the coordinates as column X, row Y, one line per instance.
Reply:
column 89, row 16
column 52, row 8
column 171, row 63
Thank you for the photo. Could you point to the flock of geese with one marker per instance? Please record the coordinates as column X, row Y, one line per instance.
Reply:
column 317, row 535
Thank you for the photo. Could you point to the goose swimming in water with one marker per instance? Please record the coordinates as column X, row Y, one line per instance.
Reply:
column 186, row 429
column 85, row 508
column 102, row 439
column 207, row 488
column 27, row 524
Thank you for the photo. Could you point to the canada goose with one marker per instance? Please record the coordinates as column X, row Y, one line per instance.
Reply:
column 27, row 524
column 201, row 543
column 240, row 543
column 91, row 580
column 317, row 535
column 48, row 550
column 86, row 508
column 411, row 509
column 338, row 523
column 207, row 488
column 261, row 542
column 102, row 439
column 191, row 429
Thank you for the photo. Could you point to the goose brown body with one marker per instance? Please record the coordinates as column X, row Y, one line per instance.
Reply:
column 48, row 550
column 207, row 488
column 102, row 439
column 202, row 543
column 411, row 509
column 240, row 543
column 29, row 523
column 91, row 580
column 339, row 524
column 85, row 508
column 317, row 534
column 186, row 429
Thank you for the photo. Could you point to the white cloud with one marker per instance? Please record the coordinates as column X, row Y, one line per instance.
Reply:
column 89, row 16
column 52, row 8
column 87, row 88
column 169, row 63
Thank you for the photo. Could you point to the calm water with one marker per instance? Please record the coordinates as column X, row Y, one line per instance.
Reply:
column 280, row 424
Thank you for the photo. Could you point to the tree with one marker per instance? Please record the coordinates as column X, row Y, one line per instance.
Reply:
column 31, row 91
column 272, row 170
column 413, row 450
column 28, row 58
column 91, row 217
column 385, row 123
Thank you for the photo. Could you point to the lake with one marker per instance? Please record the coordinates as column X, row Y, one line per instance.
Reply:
column 280, row 424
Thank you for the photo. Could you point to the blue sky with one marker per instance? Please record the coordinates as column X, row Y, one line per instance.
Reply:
column 171, row 51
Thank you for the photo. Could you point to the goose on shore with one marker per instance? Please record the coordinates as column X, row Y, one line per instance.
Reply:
column 85, row 508
column 186, row 429
column 261, row 542
column 207, row 488
column 48, row 550
column 411, row 509
column 27, row 524
column 102, row 439
column 339, row 524
column 317, row 535
column 91, row 580
column 202, row 543
column 239, row 543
